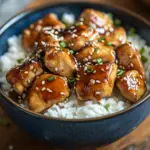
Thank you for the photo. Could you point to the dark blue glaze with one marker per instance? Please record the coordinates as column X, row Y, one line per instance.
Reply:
column 68, row 133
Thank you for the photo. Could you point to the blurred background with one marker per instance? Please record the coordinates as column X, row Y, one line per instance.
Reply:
column 14, row 138
column 10, row 7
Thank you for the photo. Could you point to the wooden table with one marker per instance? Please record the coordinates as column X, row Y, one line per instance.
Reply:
column 14, row 138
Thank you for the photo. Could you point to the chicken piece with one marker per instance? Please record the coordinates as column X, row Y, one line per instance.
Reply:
column 95, row 82
column 29, row 35
column 21, row 77
column 47, row 90
column 60, row 61
column 94, row 52
column 129, row 58
column 117, row 37
column 47, row 38
column 76, row 37
column 131, row 85
column 96, row 19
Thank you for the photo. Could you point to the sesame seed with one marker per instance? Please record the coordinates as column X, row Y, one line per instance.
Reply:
column 37, row 88
column 26, row 72
column 38, row 28
column 43, row 82
column 34, row 70
column 89, row 57
column 49, row 90
column 94, row 71
column 27, row 32
column 131, row 64
column 28, row 81
column 97, row 93
column 102, row 70
column 85, row 59
column 43, row 89
column 92, row 81
column 97, row 81
column 56, row 69
column 62, row 93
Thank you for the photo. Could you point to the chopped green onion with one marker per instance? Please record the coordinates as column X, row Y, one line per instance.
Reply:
column 63, row 44
column 60, row 49
column 89, row 70
column 90, row 28
column 144, row 59
column 101, row 39
column 109, row 43
column 107, row 106
column 142, row 50
column 120, row 72
column 131, row 32
column 96, row 49
column 99, row 61
column 117, row 22
column 110, row 15
column 71, row 80
column 4, row 122
column 20, row 60
column 51, row 78
column 77, row 24
column 71, row 51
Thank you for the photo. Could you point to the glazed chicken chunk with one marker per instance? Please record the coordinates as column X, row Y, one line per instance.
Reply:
column 30, row 34
column 47, row 90
column 129, row 58
column 21, row 77
column 96, row 19
column 131, row 85
column 76, row 37
column 60, row 61
column 117, row 37
column 96, row 52
column 95, row 81
column 48, row 37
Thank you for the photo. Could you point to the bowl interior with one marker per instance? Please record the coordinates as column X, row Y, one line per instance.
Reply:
column 16, row 25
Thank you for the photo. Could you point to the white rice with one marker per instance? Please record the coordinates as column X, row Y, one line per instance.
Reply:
column 68, row 18
column 71, row 108
column 9, row 59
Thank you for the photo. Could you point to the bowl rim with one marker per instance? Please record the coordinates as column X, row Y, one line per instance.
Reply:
column 27, row 11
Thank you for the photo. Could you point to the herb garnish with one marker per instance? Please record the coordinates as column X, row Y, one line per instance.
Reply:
column 71, row 80
column 117, row 22
column 51, row 78
column 142, row 50
column 120, row 72
column 110, row 15
column 144, row 59
column 89, row 69
column 71, row 51
column 107, row 106
column 63, row 44
column 101, row 39
column 20, row 60
column 109, row 43
column 131, row 32
column 96, row 49
column 99, row 61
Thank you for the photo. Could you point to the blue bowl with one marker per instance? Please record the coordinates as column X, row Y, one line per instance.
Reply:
column 82, row 132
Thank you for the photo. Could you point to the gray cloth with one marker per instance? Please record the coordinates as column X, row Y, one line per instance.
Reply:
column 8, row 8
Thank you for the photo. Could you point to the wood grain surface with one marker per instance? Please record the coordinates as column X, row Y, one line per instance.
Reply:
column 12, row 137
